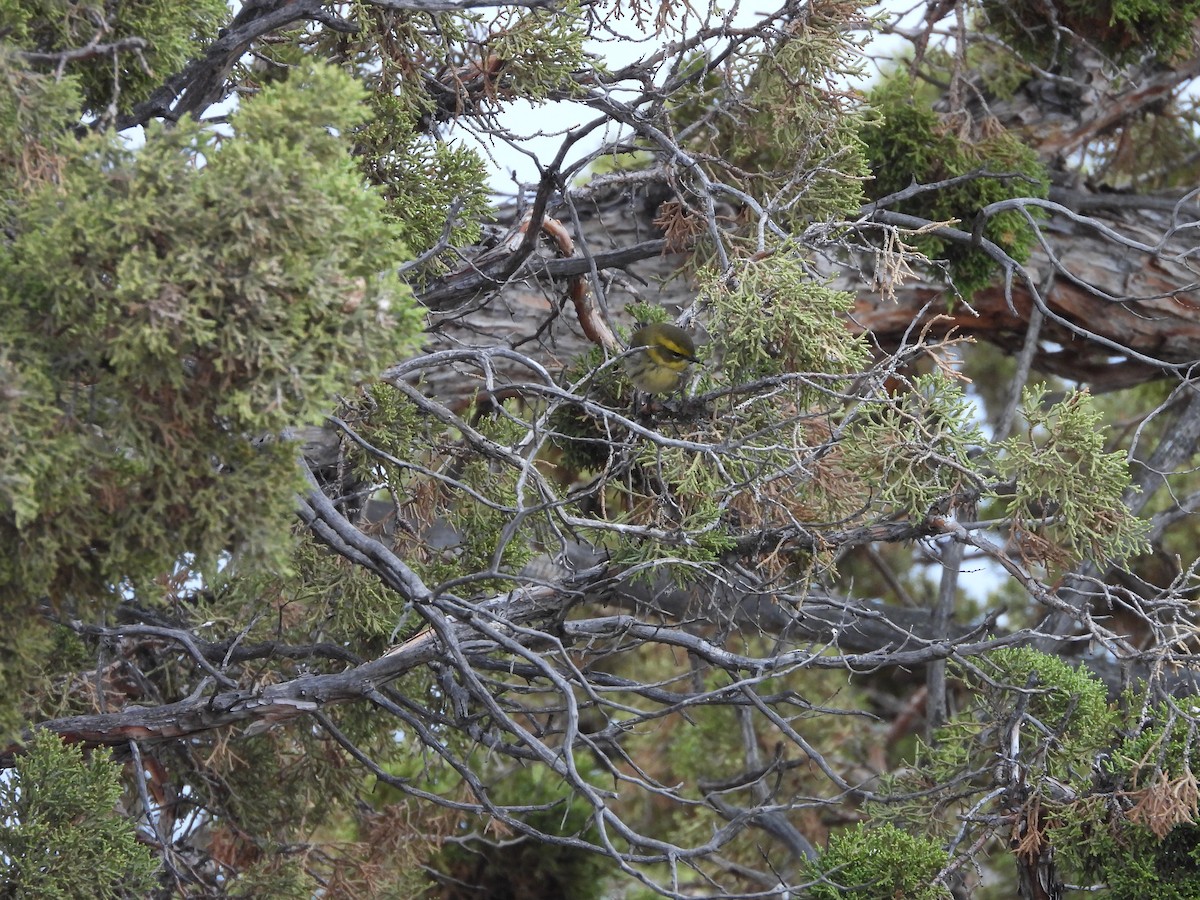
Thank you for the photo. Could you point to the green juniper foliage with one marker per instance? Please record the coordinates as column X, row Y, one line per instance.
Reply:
column 175, row 312
column 870, row 862
column 916, row 450
column 772, row 317
column 1061, row 449
column 1122, row 29
column 165, row 310
column 1113, row 782
column 1070, row 701
column 171, row 33
column 768, row 320
column 1151, row 851
column 61, row 836
column 775, row 119
column 908, row 143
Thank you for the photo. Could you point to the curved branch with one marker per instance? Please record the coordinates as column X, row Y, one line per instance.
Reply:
column 202, row 81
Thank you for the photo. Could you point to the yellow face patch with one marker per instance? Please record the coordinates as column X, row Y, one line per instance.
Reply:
column 659, row 357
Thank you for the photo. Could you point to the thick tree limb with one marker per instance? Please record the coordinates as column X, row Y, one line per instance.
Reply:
column 202, row 81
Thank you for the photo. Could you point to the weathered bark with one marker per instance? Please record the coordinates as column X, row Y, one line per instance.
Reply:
column 1122, row 306
column 1142, row 294
column 1122, row 272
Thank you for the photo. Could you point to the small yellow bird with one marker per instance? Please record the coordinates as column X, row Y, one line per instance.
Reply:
column 658, row 358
